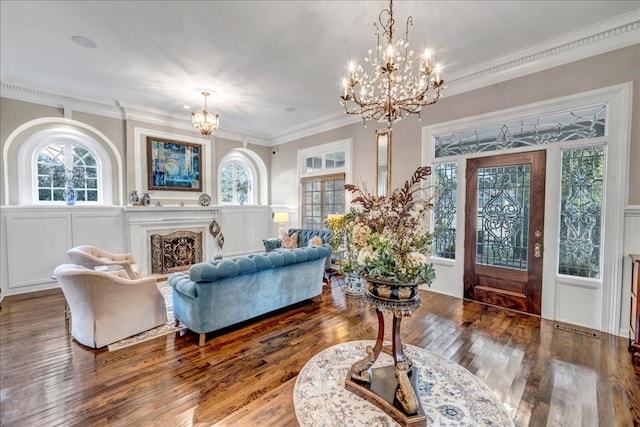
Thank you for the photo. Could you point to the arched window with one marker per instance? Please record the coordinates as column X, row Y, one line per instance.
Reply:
column 59, row 154
column 65, row 164
column 236, row 182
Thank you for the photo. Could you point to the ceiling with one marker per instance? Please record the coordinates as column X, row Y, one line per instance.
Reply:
column 272, row 66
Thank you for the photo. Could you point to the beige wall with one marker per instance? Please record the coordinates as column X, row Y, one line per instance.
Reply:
column 14, row 114
column 619, row 66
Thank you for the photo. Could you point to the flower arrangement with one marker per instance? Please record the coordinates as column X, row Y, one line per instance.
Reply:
column 336, row 223
column 387, row 238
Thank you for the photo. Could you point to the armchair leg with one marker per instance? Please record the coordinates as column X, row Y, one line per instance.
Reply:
column 202, row 340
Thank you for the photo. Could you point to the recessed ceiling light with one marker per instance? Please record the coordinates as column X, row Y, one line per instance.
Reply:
column 289, row 109
column 84, row 42
column 186, row 107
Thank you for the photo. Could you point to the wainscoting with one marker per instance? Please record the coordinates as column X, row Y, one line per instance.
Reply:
column 35, row 239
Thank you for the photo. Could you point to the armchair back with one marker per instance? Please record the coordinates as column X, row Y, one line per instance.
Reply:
column 91, row 256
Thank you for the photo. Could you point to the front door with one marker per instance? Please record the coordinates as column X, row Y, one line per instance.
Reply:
column 504, row 229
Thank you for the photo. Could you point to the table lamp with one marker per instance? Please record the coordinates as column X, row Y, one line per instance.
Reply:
column 280, row 218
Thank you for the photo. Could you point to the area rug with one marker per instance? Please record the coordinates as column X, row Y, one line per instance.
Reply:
column 168, row 328
column 450, row 395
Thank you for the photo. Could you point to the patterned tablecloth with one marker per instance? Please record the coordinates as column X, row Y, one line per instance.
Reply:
column 450, row 395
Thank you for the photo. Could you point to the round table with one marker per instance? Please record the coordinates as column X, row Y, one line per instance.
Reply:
column 449, row 394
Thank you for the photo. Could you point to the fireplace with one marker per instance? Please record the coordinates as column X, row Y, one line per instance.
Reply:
column 175, row 251
column 171, row 238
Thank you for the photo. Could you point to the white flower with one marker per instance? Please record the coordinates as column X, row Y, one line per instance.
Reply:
column 365, row 254
column 417, row 258
column 361, row 234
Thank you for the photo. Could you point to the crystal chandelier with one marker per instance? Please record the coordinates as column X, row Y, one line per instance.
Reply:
column 205, row 121
column 390, row 89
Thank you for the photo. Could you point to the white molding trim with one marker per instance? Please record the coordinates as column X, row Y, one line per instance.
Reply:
column 605, row 36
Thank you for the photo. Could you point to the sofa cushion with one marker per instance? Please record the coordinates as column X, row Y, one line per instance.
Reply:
column 290, row 241
column 315, row 241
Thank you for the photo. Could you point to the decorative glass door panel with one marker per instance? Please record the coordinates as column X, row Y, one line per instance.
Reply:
column 503, row 221
column 504, row 230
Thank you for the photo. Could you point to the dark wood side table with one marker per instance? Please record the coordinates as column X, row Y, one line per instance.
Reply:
column 634, row 324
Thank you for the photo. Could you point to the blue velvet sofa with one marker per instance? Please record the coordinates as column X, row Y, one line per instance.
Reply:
column 220, row 293
column 304, row 235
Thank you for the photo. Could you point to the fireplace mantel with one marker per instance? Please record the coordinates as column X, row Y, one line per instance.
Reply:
column 143, row 221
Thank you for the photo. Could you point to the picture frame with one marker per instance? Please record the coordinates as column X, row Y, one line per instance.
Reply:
column 383, row 162
column 173, row 165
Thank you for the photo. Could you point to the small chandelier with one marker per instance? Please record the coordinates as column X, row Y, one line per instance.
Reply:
column 205, row 121
column 390, row 89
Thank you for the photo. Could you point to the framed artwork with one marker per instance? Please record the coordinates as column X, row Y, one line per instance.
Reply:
column 173, row 165
column 383, row 162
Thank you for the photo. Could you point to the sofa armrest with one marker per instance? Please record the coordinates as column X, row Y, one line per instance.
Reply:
column 271, row 244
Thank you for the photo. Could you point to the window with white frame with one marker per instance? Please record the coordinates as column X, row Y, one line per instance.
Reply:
column 65, row 164
column 323, row 171
column 321, row 196
column 236, row 181
column 581, row 202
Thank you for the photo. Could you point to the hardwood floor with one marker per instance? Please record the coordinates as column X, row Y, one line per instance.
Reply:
column 245, row 376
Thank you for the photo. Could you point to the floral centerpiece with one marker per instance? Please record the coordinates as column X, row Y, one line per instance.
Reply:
column 387, row 237
column 336, row 223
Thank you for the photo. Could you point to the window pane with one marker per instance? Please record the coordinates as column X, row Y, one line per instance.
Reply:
column 581, row 212
column 53, row 176
column 444, row 212
column 322, row 196
column 503, row 216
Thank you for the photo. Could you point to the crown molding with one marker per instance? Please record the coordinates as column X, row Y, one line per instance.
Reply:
column 116, row 110
column 605, row 36
column 608, row 35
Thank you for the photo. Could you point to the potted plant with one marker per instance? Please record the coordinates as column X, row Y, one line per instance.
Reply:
column 390, row 241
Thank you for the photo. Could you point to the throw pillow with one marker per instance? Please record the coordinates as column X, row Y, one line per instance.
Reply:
column 315, row 241
column 290, row 241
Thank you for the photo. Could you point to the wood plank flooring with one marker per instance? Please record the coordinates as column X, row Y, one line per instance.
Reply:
column 245, row 375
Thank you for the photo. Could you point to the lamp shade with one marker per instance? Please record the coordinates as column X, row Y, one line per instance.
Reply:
column 281, row 217
column 334, row 216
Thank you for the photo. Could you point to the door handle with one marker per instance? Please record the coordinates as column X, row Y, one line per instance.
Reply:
column 537, row 250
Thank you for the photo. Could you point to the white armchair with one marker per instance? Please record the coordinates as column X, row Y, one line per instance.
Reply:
column 106, row 308
column 91, row 257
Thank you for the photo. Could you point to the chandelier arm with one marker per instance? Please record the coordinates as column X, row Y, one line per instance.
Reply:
column 388, row 25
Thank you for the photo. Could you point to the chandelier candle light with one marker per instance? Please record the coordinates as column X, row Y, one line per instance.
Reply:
column 391, row 90
column 205, row 121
